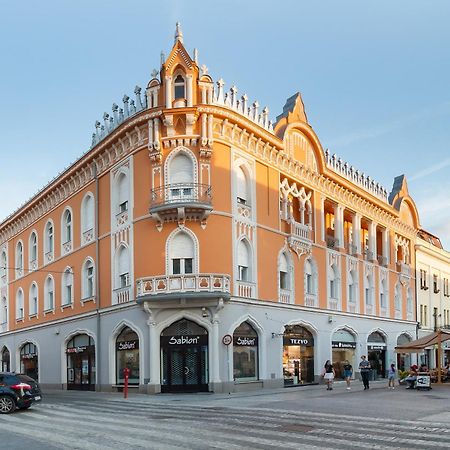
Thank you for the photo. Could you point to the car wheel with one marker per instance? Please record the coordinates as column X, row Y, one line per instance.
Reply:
column 7, row 404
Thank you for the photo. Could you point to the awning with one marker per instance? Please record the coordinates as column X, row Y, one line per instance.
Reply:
column 420, row 344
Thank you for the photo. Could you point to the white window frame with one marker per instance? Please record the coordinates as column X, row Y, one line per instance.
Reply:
column 49, row 306
column 33, row 300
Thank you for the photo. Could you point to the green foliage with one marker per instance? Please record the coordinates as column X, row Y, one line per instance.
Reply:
column 403, row 374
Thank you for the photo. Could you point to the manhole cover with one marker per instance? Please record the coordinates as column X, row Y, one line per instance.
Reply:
column 297, row 428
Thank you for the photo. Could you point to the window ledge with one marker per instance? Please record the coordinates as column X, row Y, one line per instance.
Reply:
column 87, row 300
column 33, row 316
column 66, row 305
column 49, row 311
column 247, row 381
column 19, row 319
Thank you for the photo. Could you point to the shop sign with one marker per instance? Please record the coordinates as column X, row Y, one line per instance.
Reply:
column 184, row 340
column 28, row 356
column 344, row 345
column 298, row 341
column 127, row 345
column 241, row 341
column 376, row 347
column 76, row 349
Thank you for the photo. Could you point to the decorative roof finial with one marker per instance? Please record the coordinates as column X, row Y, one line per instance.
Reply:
column 178, row 33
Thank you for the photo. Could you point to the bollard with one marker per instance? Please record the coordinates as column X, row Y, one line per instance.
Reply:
column 126, row 373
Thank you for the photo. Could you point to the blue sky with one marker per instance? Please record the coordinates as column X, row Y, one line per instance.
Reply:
column 374, row 77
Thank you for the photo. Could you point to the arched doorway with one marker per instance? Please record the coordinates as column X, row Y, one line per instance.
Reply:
column 127, row 356
column 298, row 355
column 245, row 353
column 376, row 353
column 184, row 351
column 343, row 347
column 81, row 363
column 29, row 360
column 6, row 360
column 403, row 359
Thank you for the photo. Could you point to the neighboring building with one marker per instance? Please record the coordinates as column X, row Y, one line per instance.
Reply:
column 433, row 293
column 207, row 249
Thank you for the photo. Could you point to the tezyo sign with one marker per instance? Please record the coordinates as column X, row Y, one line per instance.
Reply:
column 303, row 341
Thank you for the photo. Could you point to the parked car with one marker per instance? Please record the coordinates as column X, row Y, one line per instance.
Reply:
column 17, row 391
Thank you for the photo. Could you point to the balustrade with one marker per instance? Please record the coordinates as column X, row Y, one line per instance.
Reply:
column 285, row 296
column 123, row 294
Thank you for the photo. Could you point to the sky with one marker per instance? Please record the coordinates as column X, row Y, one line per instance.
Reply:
column 374, row 77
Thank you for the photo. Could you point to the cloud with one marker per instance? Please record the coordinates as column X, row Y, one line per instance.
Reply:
column 384, row 128
column 429, row 170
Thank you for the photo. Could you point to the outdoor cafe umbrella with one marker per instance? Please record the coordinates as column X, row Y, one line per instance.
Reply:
column 429, row 340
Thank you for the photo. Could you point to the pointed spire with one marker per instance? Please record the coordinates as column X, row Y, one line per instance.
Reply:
column 178, row 33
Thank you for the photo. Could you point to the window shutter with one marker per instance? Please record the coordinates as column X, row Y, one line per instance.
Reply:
column 182, row 246
column 242, row 185
column 243, row 255
column 181, row 169
column 123, row 188
column 123, row 261
column 283, row 263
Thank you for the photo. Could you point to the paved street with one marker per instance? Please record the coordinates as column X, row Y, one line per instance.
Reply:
column 308, row 417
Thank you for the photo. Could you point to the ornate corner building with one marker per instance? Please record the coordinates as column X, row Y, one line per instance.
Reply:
column 206, row 248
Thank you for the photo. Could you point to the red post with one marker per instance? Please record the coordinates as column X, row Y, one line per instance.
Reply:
column 126, row 373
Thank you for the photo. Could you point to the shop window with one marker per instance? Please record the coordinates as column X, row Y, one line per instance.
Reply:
column 29, row 360
column 245, row 353
column 127, row 356
column 81, row 368
column 298, row 355
column 343, row 346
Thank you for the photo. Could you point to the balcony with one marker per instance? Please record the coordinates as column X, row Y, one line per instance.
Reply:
column 332, row 242
column 352, row 307
column 333, row 304
column 3, row 327
column 180, row 202
column 285, row 296
column 368, row 255
column 352, row 249
column 382, row 260
column 246, row 289
column 201, row 285
column 300, row 238
column 404, row 269
column 310, row 300
column 122, row 295
column 88, row 236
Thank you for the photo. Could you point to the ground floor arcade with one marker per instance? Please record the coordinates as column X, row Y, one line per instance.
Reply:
column 202, row 345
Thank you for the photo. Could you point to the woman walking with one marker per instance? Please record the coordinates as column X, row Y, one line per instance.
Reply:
column 329, row 374
column 348, row 372
column 391, row 376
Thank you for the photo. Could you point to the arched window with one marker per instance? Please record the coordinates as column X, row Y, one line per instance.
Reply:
column 285, row 278
column 409, row 304
column 244, row 261
column 179, row 87
column 181, row 177
column 5, row 359
column 4, row 311
column 284, row 272
column 3, row 269
column 19, row 259
column 33, row 249
column 49, row 294
column 383, row 294
column 49, row 242
column 123, row 267
column 333, row 282
column 19, row 305
column 66, row 228
column 368, row 290
column 352, row 286
column 67, row 287
column 309, row 287
column 88, row 279
column 29, row 360
column 33, row 300
column 123, row 192
column 87, row 218
column 181, row 254
column 127, row 356
column 243, row 196
column 245, row 353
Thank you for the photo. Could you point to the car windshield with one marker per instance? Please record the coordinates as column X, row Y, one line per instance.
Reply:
column 25, row 378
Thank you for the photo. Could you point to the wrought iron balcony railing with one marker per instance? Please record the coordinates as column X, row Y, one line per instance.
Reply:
column 180, row 193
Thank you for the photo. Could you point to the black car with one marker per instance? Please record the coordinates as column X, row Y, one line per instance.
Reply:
column 17, row 391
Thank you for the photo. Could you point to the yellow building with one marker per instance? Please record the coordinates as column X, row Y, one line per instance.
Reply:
column 207, row 248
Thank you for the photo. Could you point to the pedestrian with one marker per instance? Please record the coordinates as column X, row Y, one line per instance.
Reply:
column 348, row 372
column 391, row 376
column 364, row 368
column 328, row 374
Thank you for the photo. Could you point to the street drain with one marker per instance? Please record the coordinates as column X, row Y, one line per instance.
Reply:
column 296, row 428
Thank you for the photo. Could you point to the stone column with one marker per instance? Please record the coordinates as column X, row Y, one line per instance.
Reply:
column 189, row 90
column 356, row 223
column 168, row 81
column 154, row 385
column 322, row 218
column 373, row 239
column 385, row 243
column 215, row 354
column 339, row 224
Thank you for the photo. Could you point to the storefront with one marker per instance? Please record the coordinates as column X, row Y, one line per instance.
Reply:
column 403, row 359
column 6, row 360
column 376, row 354
column 343, row 348
column 298, row 356
column 127, row 356
column 184, row 357
column 81, row 363
column 245, row 353
column 29, row 360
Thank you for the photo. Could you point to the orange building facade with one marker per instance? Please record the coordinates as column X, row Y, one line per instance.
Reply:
column 205, row 248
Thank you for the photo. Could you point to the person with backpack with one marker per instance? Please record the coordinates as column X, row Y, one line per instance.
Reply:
column 391, row 376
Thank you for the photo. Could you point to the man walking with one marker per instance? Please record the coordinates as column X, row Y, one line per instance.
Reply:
column 364, row 368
